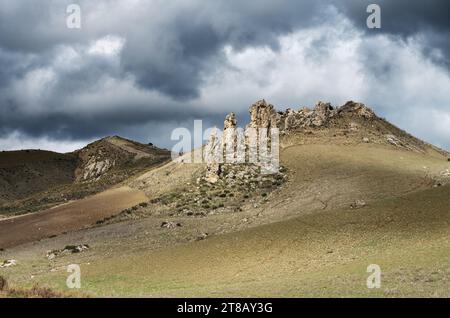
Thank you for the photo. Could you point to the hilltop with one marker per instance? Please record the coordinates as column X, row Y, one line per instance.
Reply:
column 351, row 122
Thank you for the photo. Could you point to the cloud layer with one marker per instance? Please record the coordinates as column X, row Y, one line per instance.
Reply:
column 141, row 68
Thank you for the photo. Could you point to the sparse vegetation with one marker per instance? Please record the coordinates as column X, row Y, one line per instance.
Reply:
column 34, row 292
column 339, row 203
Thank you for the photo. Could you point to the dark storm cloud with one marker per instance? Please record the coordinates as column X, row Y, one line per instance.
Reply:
column 405, row 18
column 50, row 85
column 168, row 46
column 173, row 56
column 168, row 49
column 35, row 26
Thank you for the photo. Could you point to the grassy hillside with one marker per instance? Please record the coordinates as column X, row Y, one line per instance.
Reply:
column 321, row 254
column 315, row 255
column 304, row 239
column 25, row 172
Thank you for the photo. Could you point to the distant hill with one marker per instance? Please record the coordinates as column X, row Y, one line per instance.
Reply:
column 34, row 179
column 25, row 172
column 114, row 154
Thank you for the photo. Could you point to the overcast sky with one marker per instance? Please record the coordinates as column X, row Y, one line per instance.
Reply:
column 139, row 69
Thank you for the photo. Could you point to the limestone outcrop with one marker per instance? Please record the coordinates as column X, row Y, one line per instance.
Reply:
column 263, row 115
column 240, row 146
column 212, row 156
column 305, row 117
column 230, row 121
column 357, row 109
column 320, row 115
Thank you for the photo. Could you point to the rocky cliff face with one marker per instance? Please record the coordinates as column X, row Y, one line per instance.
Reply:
column 100, row 157
column 320, row 115
column 263, row 115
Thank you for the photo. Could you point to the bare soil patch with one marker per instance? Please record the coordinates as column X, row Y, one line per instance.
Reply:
column 68, row 217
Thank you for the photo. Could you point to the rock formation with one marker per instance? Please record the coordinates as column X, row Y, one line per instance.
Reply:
column 213, row 153
column 305, row 117
column 320, row 116
column 230, row 121
column 263, row 115
column 357, row 109
column 350, row 119
column 230, row 137
column 94, row 168
column 238, row 146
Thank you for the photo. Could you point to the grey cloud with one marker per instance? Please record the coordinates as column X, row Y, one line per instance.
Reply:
column 168, row 47
column 169, row 53
column 401, row 16
column 175, row 58
column 406, row 18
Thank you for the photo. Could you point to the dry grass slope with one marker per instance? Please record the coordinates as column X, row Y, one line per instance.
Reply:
column 304, row 241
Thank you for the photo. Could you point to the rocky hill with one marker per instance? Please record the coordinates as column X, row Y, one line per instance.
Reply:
column 350, row 122
column 352, row 190
column 31, row 180
column 97, row 159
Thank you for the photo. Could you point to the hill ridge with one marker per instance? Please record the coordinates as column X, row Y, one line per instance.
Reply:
column 353, row 120
column 32, row 180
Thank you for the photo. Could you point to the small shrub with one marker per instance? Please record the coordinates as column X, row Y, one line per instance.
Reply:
column 35, row 292
column 3, row 283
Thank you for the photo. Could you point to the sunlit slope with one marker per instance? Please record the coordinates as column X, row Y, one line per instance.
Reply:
column 327, row 176
column 320, row 246
column 322, row 254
